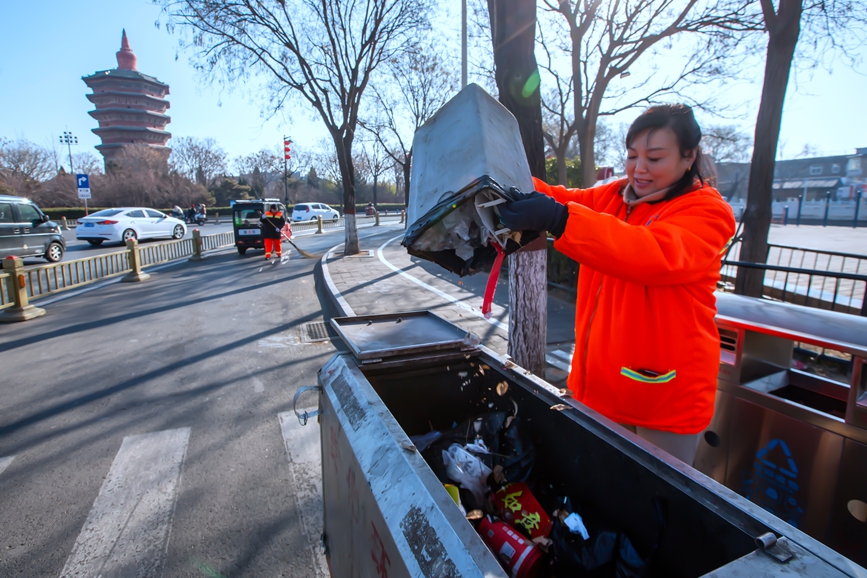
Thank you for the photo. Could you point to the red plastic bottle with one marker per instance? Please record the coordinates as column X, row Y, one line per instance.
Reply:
column 520, row 556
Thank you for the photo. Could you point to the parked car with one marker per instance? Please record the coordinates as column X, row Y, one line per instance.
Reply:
column 125, row 223
column 25, row 231
column 309, row 212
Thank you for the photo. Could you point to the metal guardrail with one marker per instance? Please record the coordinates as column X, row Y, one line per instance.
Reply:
column 54, row 278
column 822, row 289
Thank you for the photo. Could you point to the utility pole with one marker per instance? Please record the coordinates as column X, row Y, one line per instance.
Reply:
column 287, row 154
column 463, row 43
column 68, row 139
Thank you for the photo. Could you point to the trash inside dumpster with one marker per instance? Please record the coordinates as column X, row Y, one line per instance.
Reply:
column 449, row 460
column 467, row 159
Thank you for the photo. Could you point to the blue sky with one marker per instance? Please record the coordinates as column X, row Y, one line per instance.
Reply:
column 47, row 46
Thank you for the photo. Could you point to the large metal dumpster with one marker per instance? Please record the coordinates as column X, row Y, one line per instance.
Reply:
column 792, row 436
column 386, row 513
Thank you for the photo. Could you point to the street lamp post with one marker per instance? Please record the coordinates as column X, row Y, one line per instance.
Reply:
column 69, row 139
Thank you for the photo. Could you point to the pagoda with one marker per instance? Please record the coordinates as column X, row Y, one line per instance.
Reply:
column 130, row 109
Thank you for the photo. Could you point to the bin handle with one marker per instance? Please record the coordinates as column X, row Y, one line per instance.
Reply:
column 303, row 417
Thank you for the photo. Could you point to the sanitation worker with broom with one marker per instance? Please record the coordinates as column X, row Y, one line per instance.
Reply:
column 649, row 245
column 272, row 226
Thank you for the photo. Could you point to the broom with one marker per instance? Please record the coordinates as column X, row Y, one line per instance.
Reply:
column 301, row 251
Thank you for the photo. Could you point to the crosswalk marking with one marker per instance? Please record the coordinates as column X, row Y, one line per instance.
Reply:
column 4, row 463
column 557, row 363
column 563, row 355
column 126, row 531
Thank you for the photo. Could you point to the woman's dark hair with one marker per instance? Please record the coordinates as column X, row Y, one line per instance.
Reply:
column 680, row 119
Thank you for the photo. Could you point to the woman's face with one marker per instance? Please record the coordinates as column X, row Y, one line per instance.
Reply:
column 654, row 162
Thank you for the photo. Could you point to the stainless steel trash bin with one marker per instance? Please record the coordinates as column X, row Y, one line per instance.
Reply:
column 386, row 513
column 787, row 438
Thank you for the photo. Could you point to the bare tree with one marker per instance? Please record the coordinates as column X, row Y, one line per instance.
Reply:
column 25, row 160
column 726, row 144
column 605, row 39
column 377, row 160
column 321, row 51
column 513, row 32
column 418, row 85
column 200, row 160
column 261, row 168
column 828, row 26
column 88, row 163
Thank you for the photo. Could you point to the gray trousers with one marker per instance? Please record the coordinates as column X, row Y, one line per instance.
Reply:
column 681, row 446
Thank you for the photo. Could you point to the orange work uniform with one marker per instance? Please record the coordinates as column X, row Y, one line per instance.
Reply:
column 272, row 223
column 646, row 344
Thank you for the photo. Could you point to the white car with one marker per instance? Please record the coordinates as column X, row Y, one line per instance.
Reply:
column 309, row 212
column 125, row 223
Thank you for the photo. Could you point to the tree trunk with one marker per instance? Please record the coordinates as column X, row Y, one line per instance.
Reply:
column 375, row 179
column 513, row 30
column 561, row 166
column 347, row 175
column 783, row 34
column 586, row 142
column 407, row 169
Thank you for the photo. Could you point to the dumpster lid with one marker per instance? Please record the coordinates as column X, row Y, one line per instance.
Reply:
column 373, row 337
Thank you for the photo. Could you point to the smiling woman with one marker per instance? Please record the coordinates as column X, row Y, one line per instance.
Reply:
column 647, row 348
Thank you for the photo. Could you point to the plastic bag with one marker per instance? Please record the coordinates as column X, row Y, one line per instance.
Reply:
column 466, row 469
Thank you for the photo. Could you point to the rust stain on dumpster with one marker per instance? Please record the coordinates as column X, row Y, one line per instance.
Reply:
column 426, row 547
column 348, row 401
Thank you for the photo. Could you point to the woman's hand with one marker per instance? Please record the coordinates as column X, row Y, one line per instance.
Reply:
column 535, row 212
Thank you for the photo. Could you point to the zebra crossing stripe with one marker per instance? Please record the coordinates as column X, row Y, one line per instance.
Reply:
column 127, row 530
column 562, row 365
column 4, row 463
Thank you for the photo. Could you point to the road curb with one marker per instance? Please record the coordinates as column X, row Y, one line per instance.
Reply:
column 336, row 298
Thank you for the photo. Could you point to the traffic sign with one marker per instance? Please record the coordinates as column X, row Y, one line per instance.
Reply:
column 83, row 183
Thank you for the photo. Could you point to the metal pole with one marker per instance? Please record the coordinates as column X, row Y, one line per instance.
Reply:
column 463, row 43
column 827, row 208
column 285, row 183
column 800, row 202
column 785, row 215
column 857, row 207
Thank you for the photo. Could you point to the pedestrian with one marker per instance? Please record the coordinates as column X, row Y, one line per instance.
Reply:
column 272, row 223
column 647, row 347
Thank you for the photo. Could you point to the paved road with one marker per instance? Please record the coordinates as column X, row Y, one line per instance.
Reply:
column 140, row 425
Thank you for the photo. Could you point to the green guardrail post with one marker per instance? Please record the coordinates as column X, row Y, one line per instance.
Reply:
column 17, row 286
column 402, row 217
column 318, row 224
column 136, row 274
column 376, row 216
column 198, row 251
column 216, row 218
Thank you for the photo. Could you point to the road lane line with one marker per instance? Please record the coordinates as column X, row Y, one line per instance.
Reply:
column 563, row 355
column 305, row 466
column 126, row 532
column 4, row 463
column 443, row 294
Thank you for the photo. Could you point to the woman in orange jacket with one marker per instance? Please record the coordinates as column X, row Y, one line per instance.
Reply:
column 646, row 344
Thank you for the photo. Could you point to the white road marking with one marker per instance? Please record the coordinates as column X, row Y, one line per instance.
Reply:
column 477, row 312
column 4, row 463
column 127, row 530
column 563, row 355
column 557, row 363
column 305, row 464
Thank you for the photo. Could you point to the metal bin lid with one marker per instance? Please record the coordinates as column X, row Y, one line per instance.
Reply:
column 411, row 332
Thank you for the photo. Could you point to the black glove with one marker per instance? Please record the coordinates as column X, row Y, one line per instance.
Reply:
column 535, row 212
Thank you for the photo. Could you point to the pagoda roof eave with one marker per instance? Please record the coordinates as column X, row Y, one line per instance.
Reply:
column 95, row 113
column 93, row 96
column 116, row 145
column 124, row 128
column 116, row 73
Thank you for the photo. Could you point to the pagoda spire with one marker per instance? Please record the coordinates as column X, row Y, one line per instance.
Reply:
column 126, row 58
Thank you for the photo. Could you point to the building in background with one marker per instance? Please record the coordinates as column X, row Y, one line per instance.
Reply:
column 130, row 109
column 842, row 175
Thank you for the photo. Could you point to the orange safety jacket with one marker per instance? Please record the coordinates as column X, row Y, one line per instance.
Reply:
column 646, row 344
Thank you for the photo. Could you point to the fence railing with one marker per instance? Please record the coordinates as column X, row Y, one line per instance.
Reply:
column 53, row 278
column 822, row 289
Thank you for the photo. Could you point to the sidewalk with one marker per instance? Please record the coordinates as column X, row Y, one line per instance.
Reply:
column 383, row 278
